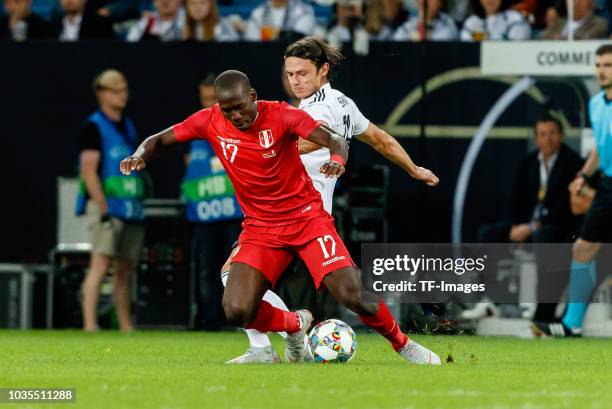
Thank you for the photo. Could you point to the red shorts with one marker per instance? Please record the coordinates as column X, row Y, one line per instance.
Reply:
column 271, row 249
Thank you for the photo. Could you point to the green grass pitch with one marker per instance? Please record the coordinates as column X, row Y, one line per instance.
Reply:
column 185, row 370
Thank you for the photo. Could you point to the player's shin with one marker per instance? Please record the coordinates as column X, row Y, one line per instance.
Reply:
column 272, row 319
column 257, row 338
column 582, row 282
column 384, row 323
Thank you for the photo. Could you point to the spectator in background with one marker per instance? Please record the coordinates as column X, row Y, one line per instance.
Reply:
column 203, row 23
column 493, row 20
column 115, row 10
column 554, row 16
column 540, row 210
column 439, row 25
column 384, row 17
column 21, row 24
column 535, row 11
column 458, row 9
column 285, row 20
column 215, row 216
column 78, row 24
column 114, row 201
column 586, row 24
column 166, row 23
column 540, row 202
column 527, row 8
column 347, row 19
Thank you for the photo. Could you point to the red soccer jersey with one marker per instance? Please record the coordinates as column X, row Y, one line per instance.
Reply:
column 262, row 162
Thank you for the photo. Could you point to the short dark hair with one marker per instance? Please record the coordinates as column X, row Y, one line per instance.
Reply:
column 480, row 12
column 315, row 50
column 208, row 81
column 234, row 81
column 604, row 49
column 550, row 118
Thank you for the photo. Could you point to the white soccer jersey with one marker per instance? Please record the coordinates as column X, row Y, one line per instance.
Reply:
column 341, row 114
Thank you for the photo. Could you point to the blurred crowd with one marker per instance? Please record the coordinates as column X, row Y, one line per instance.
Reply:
column 337, row 21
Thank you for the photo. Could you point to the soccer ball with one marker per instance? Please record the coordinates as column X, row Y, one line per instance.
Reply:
column 331, row 341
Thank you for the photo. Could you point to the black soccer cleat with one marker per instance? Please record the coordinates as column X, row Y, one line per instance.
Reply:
column 554, row 329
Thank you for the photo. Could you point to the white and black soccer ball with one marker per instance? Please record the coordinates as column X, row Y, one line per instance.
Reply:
column 331, row 341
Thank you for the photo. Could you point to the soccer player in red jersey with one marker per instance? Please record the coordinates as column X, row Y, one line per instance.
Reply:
column 256, row 142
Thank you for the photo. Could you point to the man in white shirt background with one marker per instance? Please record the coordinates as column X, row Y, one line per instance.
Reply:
column 76, row 23
column 585, row 24
column 431, row 24
column 166, row 23
column 280, row 19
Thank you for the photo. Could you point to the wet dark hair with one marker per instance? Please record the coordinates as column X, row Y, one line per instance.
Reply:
column 549, row 118
column 315, row 50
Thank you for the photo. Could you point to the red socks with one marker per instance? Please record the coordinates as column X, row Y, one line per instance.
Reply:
column 384, row 323
column 272, row 319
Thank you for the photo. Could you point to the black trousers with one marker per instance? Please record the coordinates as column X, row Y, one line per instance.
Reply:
column 210, row 245
column 552, row 261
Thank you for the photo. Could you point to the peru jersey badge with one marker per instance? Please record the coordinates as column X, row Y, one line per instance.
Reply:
column 265, row 138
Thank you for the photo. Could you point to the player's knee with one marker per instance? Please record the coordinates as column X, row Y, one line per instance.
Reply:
column 237, row 313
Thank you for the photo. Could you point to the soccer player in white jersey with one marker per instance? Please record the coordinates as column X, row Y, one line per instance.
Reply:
column 308, row 65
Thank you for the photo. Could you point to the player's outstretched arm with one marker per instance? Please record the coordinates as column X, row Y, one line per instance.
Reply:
column 150, row 148
column 391, row 149
column 338, row 148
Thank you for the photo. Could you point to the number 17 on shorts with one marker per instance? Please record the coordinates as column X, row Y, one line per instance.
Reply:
column 325, row 254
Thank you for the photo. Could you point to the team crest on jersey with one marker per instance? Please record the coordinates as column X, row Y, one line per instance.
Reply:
column 265, row 138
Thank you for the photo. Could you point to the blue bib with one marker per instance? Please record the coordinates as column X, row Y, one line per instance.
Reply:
column 207, row 190
column 124, row 194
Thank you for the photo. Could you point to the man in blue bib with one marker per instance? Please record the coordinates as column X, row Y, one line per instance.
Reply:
column 111, row 199
column 597, row 225
column 215, row 216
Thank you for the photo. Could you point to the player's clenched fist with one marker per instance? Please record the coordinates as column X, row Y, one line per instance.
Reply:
column 426, row 176
column 131, row 163
column 332, row 169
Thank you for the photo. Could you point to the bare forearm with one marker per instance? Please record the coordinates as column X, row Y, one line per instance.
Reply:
column 388, row 147
column 391, row 149
column 155, row 145
column 394, row 152
column 591, row 164
column 325, row 136
column 94, row 188
column 305, row 147
column 338, row 148
column 151, row 147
